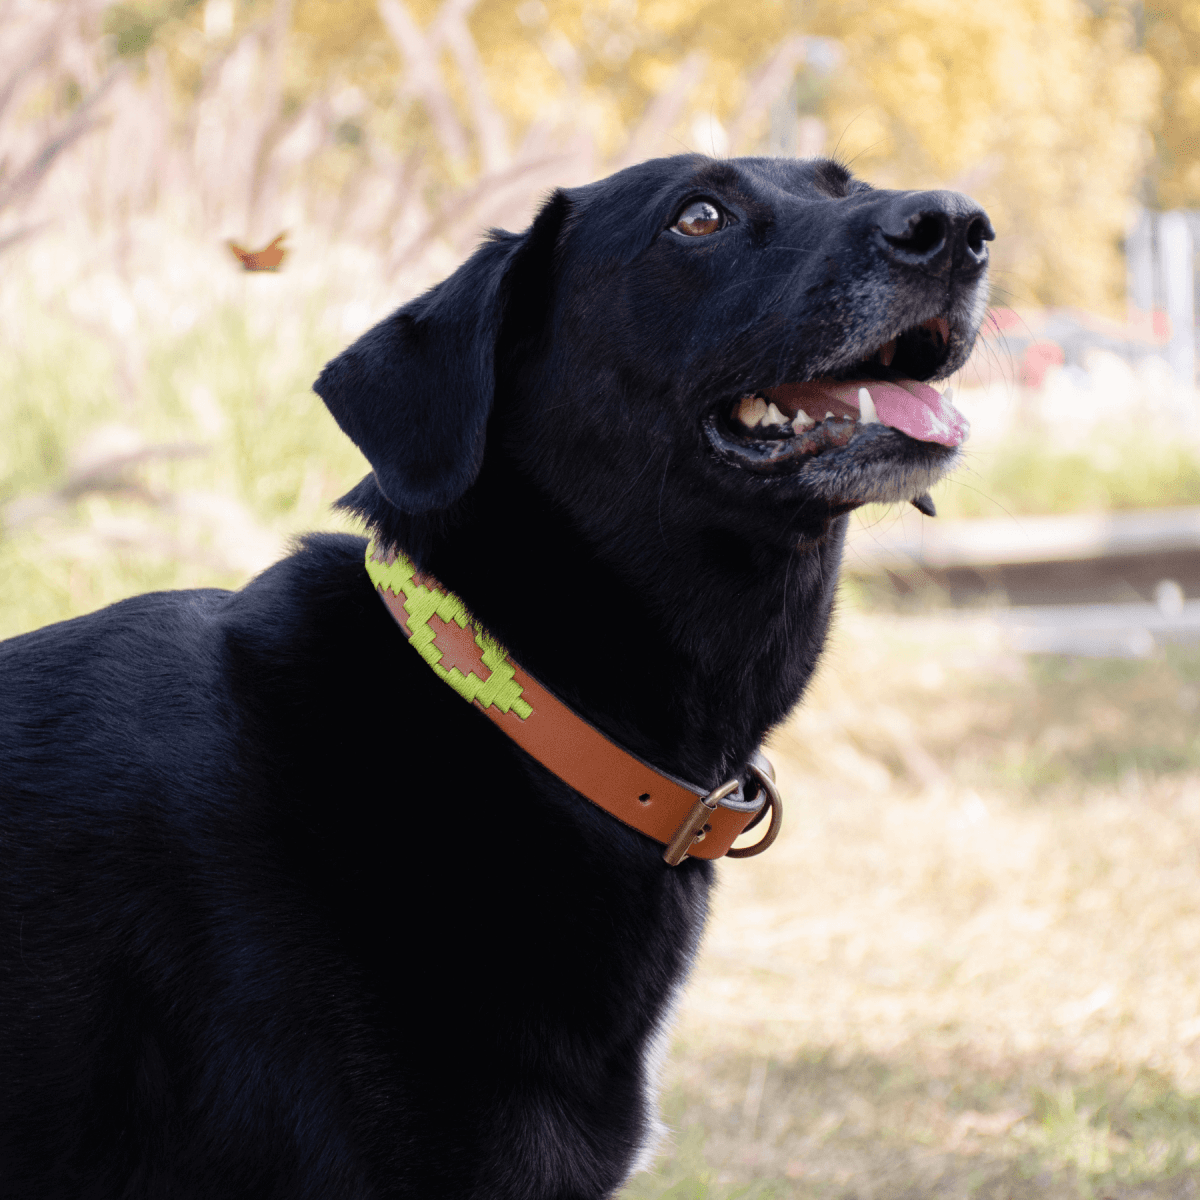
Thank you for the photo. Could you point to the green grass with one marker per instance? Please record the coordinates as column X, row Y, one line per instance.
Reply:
column 1120, row 469
column 837, row 1125
column 265, row 461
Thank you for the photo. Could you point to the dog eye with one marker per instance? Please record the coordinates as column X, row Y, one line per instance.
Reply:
column 699, row 218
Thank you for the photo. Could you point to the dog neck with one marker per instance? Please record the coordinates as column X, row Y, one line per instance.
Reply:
column 685, row 648
column 685, row 818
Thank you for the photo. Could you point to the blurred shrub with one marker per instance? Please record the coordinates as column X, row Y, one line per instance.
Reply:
column 195, row 478
column 1032, row 474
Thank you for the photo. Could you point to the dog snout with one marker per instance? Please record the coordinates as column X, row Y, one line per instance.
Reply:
column 936, row 232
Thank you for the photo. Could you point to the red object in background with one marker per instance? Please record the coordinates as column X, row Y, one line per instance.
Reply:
column 1154, row 325
column 1039, row 357
column 268, row 258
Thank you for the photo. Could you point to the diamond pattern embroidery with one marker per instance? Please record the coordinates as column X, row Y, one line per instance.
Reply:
column 484, row 675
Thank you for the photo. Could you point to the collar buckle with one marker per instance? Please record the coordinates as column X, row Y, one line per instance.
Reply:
column 730, row 795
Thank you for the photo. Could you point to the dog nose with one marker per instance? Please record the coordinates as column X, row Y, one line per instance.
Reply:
column 938, row 232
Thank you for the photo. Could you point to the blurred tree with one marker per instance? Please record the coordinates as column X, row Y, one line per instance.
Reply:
column 1171, row 36
column 1040, row 108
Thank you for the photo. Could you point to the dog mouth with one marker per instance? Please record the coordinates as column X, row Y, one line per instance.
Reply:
column 778, row 429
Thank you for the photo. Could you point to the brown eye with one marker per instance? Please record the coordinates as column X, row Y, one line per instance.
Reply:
column 700, row 217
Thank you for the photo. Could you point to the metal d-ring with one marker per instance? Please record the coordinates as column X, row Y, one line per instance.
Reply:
column 775, row 803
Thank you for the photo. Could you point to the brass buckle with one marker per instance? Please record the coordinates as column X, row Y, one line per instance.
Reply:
column 692, row 829
column 693, row 826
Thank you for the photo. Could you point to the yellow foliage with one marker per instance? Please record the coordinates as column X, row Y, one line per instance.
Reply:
column 1040, row 108
column 1172, row 37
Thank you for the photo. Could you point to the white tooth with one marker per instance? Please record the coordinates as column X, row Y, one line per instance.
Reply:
column 751, row 411
column 829, row 416
column 773, row 416
column 866, row 408
column 887, row 352
column 802, row 420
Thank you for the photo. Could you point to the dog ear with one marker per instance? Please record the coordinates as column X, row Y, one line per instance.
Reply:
column 414, row 393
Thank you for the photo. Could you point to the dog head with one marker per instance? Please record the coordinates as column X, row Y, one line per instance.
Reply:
column 704, row 327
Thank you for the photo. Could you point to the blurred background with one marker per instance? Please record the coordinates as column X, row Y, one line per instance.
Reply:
column 971, row 966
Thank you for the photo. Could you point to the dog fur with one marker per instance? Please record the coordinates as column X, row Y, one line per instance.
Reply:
column 280, row 914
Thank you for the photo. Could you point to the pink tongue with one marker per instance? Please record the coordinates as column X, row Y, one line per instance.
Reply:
column 911, row 407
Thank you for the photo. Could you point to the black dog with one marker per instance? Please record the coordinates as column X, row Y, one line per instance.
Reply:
column 282, row 915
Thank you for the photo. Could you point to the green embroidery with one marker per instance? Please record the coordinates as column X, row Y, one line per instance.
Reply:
column 420, row 603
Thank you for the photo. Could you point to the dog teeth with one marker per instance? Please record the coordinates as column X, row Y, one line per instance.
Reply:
column 751, row 410
column 829, row 416
column 773, row 416
column 866, row 408
column 886, row 353
column 802, row 420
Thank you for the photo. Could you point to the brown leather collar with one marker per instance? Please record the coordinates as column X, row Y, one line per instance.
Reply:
column 687, row 819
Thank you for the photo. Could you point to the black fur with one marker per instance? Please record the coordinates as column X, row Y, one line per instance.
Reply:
column 282, row 916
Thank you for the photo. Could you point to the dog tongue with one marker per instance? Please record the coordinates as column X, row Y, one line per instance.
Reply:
column 911, row 407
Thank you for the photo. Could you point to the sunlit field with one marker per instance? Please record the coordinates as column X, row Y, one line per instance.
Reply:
column 971, row 964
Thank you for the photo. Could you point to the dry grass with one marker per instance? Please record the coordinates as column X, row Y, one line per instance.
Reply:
column 971, row 965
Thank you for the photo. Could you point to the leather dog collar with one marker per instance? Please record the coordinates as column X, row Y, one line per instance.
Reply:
column 687, row 819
